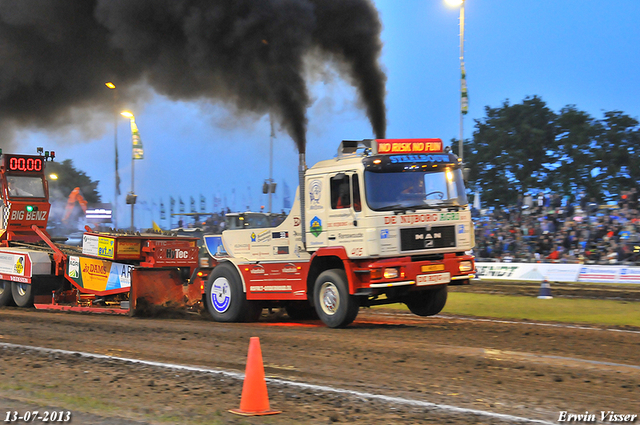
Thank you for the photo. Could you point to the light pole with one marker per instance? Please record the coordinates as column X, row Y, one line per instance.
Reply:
column 112, row 86
column 136, row 153
column 464, row 98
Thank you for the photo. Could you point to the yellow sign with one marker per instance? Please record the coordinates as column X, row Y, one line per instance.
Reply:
column 432, row 268
column 105, row 247
column 128, row 248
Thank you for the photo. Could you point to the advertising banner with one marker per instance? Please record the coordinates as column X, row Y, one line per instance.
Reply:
column 556, row 272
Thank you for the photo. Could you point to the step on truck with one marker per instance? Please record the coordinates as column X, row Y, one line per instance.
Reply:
column 114, row 272
column 385, row 221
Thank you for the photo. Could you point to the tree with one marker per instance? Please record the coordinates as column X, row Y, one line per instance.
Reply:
column 511, row 150
column 527, row 147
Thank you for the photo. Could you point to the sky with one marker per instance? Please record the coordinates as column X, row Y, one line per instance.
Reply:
column 569, row 52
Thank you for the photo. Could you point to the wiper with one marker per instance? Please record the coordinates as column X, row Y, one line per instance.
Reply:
column 391, row 207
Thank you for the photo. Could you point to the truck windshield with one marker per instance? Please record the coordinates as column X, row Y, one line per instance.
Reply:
column 25, row 186
column 414, row 189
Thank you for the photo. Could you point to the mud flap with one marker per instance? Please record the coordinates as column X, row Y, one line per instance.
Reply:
column 156, row 289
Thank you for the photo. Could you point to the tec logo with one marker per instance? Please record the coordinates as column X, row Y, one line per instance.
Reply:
column 315, row 226
column 253, row 236
column 461, row 228
column 384, row 233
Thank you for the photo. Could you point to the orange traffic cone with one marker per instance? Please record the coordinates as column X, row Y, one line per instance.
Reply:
column 255, row 400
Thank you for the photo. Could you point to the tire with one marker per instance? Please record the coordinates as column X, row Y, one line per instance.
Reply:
column 22, row 294
column 334, row 305
column 301, row 311
column 225, row 299
column 5, row 293
column 427, row 303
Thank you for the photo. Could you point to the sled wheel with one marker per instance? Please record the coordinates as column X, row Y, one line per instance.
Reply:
column 22, row 294
column 5, row 293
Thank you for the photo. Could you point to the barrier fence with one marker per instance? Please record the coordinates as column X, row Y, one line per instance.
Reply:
column 554, row 272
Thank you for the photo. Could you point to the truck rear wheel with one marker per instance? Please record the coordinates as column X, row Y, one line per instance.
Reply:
column 225, row 299
column 334, row 305
column 22, row 294
column 5, row 293
column 427, row 303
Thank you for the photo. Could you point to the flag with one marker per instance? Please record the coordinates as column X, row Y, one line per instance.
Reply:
column 155, row 226
column 192, row 207
column 181, row 205
column 136, row 142
column 162, row 211
column 464, row 102
column 203, row 203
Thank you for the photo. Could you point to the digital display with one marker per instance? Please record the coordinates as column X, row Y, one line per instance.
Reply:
column 391, row 146
column 23, row 163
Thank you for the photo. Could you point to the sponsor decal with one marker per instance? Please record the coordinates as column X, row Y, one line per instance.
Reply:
column 290, row 268
column 411, row 219
column 384, row 233
column 296, row 221
column 19, row 279
column 241, row 247
column 105, row 247
column 12, row 264
column 280, row 235
column 74, row 267
column 402, row 159
column 315, row 193
column 350, row 235
column 260, row 237
column 271, row 288
column 448, row 216
column 98, row 246
column 19, row 266
column 131, row 248
column 258, row 270
column 339, row 224
column 28, row 215
column 315, row 226
column 220, row 295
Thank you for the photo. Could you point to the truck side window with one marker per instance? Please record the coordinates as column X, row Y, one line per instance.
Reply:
column 340, row 192
column 356, row 193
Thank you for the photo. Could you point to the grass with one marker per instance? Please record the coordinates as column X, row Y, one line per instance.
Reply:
column 598, row 312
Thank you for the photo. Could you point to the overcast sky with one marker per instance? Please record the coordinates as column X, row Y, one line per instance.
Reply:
column 580, row 52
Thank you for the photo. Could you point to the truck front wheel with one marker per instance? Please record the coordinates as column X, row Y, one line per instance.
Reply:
column 334, row 305
column 427, row 303
column 5, row 293
column 225, row 299
column 22, row 294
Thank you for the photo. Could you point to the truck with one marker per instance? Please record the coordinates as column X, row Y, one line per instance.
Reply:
column 113, row 272
column 385, row 221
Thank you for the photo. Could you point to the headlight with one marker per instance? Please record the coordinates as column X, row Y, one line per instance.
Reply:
column 390, row 273
column 466, row 266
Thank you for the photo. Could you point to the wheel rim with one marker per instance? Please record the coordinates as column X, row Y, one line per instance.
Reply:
column 221, row 294
column 329, row 298
column 22, row 291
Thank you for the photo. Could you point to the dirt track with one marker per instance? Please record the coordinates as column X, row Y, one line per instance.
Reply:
column 525, row 370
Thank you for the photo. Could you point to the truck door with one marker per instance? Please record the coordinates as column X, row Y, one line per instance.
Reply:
column 344, row 211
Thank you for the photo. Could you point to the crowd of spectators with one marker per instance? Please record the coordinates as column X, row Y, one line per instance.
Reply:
column 549, row 229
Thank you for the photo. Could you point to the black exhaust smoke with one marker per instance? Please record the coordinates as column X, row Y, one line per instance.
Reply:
column 56, row 55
